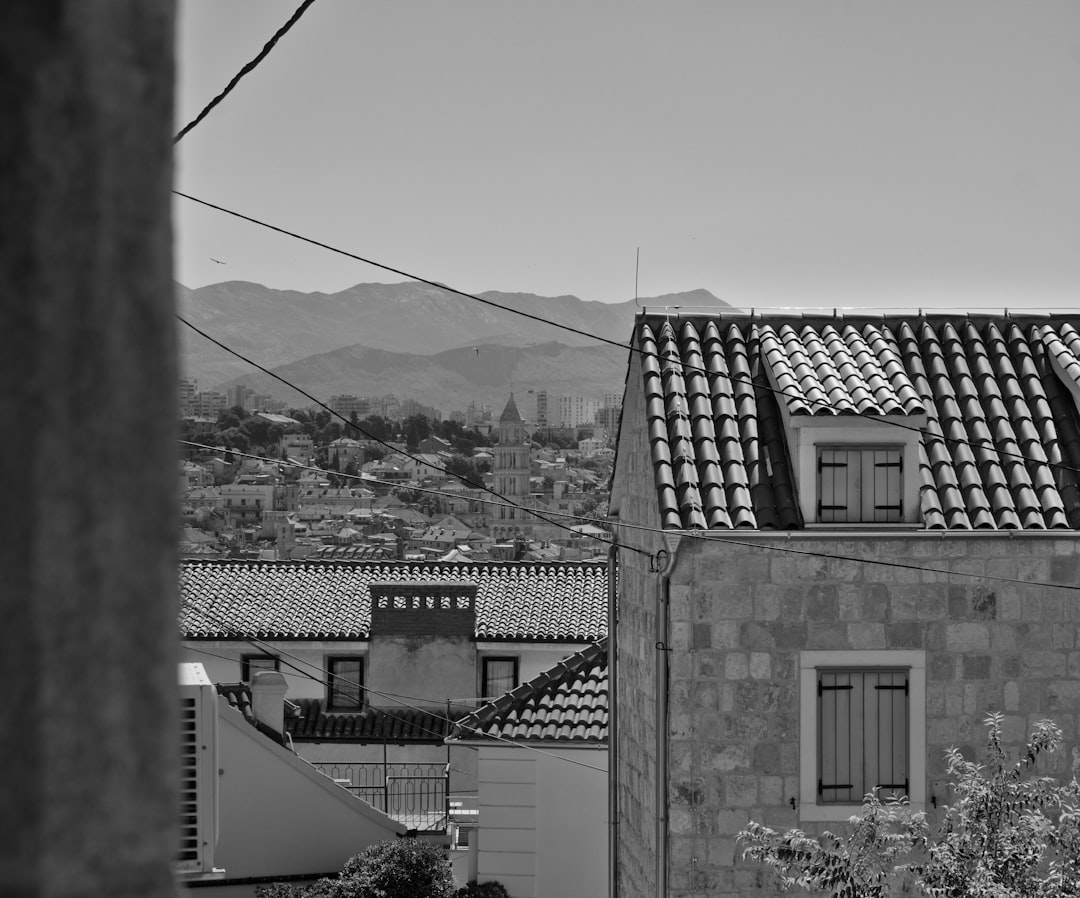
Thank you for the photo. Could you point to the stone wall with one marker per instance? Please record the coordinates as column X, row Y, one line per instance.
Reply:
column 634, row 497
column 741, row 614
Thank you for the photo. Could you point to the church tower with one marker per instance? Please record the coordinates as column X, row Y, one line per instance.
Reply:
column 511, row 467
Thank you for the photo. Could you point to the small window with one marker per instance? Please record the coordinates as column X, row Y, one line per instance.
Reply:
column 252, row 664
column 500, row 675
column 346, row 686
column 862, row 732
column 861, row 484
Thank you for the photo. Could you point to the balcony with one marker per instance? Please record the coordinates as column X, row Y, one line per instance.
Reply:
column 416, row 795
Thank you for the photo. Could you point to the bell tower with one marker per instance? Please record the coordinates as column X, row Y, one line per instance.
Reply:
column 511, row 468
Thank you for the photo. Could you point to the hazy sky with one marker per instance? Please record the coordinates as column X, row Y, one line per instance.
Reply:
column 811, row 153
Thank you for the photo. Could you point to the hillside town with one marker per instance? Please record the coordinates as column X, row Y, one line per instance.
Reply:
column 380, row 478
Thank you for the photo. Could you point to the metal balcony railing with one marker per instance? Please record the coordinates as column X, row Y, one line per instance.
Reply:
column 416, row 795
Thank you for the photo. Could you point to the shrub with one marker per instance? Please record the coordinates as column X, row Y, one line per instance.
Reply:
column 1007, row 833
column 476, row 889
column 401, row 868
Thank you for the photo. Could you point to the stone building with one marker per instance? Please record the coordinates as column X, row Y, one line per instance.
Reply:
column 856, row 537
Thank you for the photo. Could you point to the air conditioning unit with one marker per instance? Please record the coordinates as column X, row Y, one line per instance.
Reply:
column 198, row 774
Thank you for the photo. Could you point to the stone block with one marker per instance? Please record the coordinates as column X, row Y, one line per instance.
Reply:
column 707, row 665
column 757, row 637
column 746, row 728
column 932, row 605
column 791, row 637
column 736, row 666
column 767, row 758
column 823, row 603
column 967, row 637
column 740, row 791
column 906, row 635
column 1011, row 701
column 827, row 636
column 941, row 732
column 866, row 635
column 877, row 602
column 1042, row 665
column 728, row 758
column 942, row 667
column 958, row 602
column 760, row 665
column 702, row 636
column 731, row 822
column 975, row 667
column 1062, row 569
column 766, row 603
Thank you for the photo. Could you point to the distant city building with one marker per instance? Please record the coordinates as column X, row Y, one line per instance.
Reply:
column 535, row 407
column 209, row 404
column 410, row 407
column 348, row 405
column 298, row 447
column 576, row 411
column 189, row 386
column 241, row 395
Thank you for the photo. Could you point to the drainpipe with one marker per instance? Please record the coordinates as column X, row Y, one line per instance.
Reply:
column 663, row 604
column 613, row 717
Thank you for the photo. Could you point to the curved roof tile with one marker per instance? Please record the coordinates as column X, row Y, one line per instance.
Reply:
column 1000, row 397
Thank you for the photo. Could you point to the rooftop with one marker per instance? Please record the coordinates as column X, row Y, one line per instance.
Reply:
column 568, row 703
column 518, row 601
column 999, row 395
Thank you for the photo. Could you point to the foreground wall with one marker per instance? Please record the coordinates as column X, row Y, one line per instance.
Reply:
column 543, row 820
column 743, row 616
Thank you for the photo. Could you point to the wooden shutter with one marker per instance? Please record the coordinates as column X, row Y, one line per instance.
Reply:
column 882, row 479
column 862, row 734
column 837, row 484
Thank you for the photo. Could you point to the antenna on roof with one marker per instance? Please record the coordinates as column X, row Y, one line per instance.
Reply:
column 637, row 263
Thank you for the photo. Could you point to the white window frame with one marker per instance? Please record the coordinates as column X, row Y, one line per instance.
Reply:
column 808, row 433
column 809, row 664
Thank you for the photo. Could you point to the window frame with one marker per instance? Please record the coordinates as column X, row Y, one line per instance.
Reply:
column 331, row 691
column 810, row 663
column 855, row 488
column 245, row 665
column 487, row 659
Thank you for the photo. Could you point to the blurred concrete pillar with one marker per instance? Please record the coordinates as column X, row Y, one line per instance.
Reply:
column 88, row 392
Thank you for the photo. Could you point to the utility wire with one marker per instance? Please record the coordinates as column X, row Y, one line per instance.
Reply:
column 263, row 53
column 408, row 455
column 719, row 536
column 268, row 647
column 369, row 479
column 731, row 378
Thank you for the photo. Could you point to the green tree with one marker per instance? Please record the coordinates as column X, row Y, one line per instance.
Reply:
column 1008, row 834
column 416, row 428
column 403, row 868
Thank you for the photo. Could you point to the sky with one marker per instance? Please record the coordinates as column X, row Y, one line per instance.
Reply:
column 814, row 154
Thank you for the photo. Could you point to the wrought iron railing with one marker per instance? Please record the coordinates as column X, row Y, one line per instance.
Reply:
column 416, row 795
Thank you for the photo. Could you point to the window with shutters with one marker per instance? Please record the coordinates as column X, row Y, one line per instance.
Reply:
column 863, row 484
column 499, row 676
column 346, row 687
column 862, row 734
column 862, row 726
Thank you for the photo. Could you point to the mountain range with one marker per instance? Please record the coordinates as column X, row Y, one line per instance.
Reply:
column 410, row 339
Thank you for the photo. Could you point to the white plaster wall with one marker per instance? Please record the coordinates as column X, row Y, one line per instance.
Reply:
column 543, row 821
column 278, row 817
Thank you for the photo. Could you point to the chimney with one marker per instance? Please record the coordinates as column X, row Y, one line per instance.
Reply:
column 268, row 690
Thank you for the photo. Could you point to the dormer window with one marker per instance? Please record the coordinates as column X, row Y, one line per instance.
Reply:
column 860, row 484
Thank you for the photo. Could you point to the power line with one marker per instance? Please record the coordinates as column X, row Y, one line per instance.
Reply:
column 719, row 536
column 369, row 479
column 263, row 53
column 727, row 375
column 268, row 647
column 408, row 455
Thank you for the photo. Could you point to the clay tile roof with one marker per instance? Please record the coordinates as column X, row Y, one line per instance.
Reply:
column 1000, row 397
column 315, row 723
column 510, row 413
column 526, row 601
column 568, row 703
